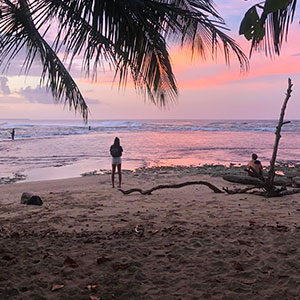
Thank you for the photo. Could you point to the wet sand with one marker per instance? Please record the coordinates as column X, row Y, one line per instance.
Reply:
column 89, row 241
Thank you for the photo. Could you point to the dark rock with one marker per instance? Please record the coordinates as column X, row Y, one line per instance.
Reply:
column 25, row 197
column 30, row 199
column 35, row 200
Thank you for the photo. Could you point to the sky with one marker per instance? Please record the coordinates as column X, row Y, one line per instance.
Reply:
column 207, row 89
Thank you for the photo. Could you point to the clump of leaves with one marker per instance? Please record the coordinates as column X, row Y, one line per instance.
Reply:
column 267, row 23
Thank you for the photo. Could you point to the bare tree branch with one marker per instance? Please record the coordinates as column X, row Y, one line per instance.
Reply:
column 269, row 185
column 174, row 186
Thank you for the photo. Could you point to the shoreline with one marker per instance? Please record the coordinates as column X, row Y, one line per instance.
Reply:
column 88, row 239
column 214, row 170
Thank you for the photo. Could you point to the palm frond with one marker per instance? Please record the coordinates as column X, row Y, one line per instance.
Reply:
column 17, row 30
column 133, row 36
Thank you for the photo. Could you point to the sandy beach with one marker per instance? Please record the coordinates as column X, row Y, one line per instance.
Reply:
column 89, row 241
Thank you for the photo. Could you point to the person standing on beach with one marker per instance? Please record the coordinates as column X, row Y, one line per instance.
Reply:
column 116, row 153
column 13, row 134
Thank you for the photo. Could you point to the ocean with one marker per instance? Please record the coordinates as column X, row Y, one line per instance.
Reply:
column 44, row 150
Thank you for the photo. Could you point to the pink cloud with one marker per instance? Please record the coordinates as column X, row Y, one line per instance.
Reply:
column 285, row 66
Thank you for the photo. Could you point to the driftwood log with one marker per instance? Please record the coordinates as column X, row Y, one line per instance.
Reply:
column 238, row 191
column 287, row 192
column 244, row 179
column 294, row 183
column 174, row 186
column 280, row 192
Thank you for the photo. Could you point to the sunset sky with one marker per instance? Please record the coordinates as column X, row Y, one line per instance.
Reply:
column 207, row 89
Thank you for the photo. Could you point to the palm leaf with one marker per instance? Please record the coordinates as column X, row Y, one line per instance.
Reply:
column 16, row 19
column 133, row 35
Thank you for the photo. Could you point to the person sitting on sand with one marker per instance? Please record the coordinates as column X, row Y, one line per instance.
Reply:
column 254, row 167
column 116, row 153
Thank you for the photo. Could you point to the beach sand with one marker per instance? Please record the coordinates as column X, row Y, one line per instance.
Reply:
column 89, row 241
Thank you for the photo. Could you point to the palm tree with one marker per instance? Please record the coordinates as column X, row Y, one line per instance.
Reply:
column 131, row 36
column 266, row 24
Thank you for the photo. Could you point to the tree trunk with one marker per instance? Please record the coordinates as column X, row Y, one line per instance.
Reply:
column 269, row 185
